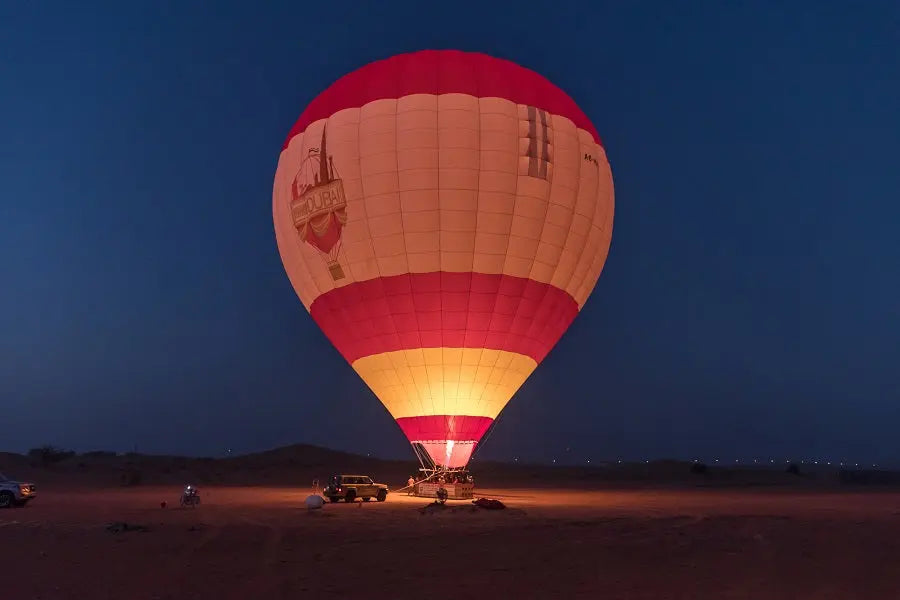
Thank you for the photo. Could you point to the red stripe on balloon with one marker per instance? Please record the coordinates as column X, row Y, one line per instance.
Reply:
column 444, row 310
column 442, row 72
column 444, row 427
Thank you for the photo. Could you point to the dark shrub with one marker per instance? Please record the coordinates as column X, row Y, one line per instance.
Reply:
column 48, row 455
column 99, row 454
column 130, row 477
column 698, row 468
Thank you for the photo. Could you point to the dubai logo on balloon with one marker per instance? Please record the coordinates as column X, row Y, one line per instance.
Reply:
column 467, row 225
column 319, row 207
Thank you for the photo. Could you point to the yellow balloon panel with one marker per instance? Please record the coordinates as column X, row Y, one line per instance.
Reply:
column 445, row 381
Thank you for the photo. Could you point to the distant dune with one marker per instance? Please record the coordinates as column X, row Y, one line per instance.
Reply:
column 300, row 464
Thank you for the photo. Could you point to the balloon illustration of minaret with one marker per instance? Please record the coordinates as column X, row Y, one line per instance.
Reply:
column 319, row 206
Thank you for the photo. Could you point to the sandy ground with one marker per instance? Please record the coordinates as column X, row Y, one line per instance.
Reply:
column 260, row 543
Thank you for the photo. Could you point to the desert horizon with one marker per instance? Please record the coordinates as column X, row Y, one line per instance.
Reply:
column 108, row 526
column 285, row 464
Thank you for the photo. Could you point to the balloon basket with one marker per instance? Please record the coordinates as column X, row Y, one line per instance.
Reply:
column 457, row 481
column 455, row 491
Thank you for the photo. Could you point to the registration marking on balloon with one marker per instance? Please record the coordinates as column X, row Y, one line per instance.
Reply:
column 459, row 239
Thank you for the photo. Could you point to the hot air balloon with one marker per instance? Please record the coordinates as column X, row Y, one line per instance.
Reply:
column 443, row 216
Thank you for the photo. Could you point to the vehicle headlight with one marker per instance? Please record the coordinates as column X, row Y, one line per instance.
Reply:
column 24, row 489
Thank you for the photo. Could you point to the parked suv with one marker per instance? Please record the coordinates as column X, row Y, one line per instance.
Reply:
column 15, row 492
column 351, row 487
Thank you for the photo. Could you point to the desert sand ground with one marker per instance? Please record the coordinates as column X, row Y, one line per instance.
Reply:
column 260, row 542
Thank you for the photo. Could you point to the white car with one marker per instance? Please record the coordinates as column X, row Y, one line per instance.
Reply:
column 16, row 493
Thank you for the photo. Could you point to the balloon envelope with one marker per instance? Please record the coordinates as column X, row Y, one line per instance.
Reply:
column 443, row 216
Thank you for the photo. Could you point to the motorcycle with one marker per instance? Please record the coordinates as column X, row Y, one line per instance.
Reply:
column 190, row 496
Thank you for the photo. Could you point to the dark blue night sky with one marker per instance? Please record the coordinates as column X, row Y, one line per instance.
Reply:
column 750, row 306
